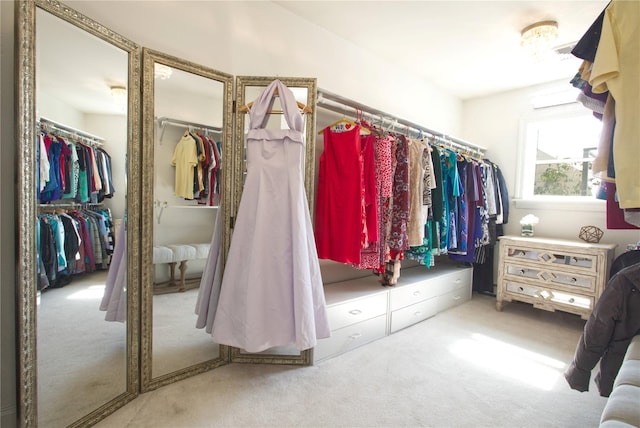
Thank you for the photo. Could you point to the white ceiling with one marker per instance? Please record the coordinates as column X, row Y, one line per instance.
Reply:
column 64, row 73
column 468, row 48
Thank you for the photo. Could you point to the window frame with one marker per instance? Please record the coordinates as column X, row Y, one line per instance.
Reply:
column 526, row 163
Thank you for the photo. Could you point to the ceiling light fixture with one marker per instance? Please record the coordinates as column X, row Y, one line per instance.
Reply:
column 119, row 95
column 162, row 71
column 538, row 38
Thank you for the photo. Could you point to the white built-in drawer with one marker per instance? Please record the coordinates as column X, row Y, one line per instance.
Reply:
column 407, row 295
column 454, row 298
column 410, row 315
column 350, row 337
column 453, row 281
column 425, row 284
column 354, row 311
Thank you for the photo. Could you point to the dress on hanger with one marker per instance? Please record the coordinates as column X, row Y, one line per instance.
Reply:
column 114, row 300
column 272, row 293
column 209, row 290
column 340, row 207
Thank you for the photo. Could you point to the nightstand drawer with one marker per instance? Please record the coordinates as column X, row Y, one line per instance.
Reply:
column 351, row 337
column 348, row 313
column 412, row 314
column 582, row 283
column 542, row 296
column 554, row 259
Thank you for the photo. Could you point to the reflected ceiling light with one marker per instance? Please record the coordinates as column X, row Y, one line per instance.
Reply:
column 162, row 71
column 119, row 95
column 538, row 38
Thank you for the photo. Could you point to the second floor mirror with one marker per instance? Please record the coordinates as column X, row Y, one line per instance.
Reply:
column 79, row 158
column 186, row 133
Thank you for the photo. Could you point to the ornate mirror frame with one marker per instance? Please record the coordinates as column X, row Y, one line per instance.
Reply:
column 311, row 85
column 27, row 201
column 150, row 58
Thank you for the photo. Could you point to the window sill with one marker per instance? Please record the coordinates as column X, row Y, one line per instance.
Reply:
column 561, row 203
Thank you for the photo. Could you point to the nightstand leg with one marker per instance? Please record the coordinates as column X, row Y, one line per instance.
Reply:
column 499, row 306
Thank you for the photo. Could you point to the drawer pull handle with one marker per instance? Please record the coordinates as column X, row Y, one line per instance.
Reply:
column 457, row 297
column 417, row 314
column 574, row 279
column 572, row 300
column 521, row 288
column 355, row 312
column 416, row 293
column 355, row 336
column 458, row 280
column 522, row 271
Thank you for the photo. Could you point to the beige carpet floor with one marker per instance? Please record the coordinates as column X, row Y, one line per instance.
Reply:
column 470, row 366
column 81, row 358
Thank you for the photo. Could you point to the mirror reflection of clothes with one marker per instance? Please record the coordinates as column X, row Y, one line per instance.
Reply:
column 209, row 291
column 185, row 159
column 114, row 300
column 272, row 292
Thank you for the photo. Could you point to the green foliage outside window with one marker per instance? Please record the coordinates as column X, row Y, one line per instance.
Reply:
column 558, row 179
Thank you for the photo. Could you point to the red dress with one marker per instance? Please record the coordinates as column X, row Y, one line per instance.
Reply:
column 339, row 207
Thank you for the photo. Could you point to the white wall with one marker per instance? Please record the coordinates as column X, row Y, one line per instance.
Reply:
column 53, row 108
column 494, row 122
column 263, row 39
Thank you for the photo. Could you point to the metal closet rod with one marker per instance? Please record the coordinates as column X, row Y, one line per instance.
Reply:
column 326, row 100
column 68, row 129
column 71, row 205
column 163, row 120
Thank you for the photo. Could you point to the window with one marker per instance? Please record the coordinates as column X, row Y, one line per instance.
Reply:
column 560, row 144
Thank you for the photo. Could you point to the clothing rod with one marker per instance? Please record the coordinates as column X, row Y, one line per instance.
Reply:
column 168, row 120
column 69, row 129
column 162, row 121
column 329, row 100
column 71, row 205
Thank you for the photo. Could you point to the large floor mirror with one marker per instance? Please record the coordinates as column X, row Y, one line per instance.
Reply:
column 78, row 110
column 187, row 126
column 115, row 240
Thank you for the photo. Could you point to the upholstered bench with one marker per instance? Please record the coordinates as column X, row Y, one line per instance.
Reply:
column 173, row 254
column 623, row 405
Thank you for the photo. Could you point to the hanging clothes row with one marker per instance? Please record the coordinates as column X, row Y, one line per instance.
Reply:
column 608, row 79
column 339, row 104
column 71, row 241
column 71, row 167
column 197, row 159
column 383, row 196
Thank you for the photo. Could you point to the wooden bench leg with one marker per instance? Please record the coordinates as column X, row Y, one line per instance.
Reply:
column 172, row 273
column 183, row 272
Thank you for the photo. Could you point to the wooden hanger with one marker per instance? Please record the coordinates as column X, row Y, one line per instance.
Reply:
column 363, row 129
column 303, row 107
